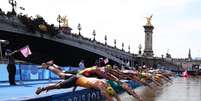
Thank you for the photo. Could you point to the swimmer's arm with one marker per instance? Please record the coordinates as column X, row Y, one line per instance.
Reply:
column 117, row 97
column 87, row 69
column 114, row 78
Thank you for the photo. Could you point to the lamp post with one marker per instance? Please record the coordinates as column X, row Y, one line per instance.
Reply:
column 79, row 28
column 105, row 39
column 94, row 34
column 129, row 48
column 115, row 42
column 122, row 46
column 59, row 19
column 13, row 3
column 140, row 47
column 162, row 56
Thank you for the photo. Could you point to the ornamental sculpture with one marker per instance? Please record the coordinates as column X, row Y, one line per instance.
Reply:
column 149, row 20
column 63, row 20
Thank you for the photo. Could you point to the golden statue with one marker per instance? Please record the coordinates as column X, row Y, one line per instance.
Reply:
column 64, row 21
column 149, row 20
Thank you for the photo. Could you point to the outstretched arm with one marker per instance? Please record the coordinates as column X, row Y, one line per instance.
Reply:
column 131, row 92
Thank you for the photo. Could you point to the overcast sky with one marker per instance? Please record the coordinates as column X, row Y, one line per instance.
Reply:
column 177, row 22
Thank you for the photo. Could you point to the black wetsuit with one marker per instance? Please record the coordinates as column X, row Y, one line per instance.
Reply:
column 69, row 81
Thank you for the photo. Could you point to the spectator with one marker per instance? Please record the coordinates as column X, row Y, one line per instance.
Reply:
column 81, row 64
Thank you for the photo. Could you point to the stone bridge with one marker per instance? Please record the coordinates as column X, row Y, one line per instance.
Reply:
column 66, row 49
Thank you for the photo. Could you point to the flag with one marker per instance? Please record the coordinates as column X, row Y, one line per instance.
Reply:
column 106, row 61
column 25, row 51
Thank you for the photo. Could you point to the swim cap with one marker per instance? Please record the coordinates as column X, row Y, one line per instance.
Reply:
column 108, row 66
column 157, row 77
column 110, row 91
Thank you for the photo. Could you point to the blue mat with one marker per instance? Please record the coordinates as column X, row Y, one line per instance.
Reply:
column 26, row 92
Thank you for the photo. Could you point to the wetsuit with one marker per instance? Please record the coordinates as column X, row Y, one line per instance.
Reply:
column 101, row 73
column 69, row 81
column 83, row 82
column 77, row 80
column 94, row 72
column 118, row 88
column 88, row 71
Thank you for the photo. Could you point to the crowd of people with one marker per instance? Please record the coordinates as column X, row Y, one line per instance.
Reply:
column 105, row 78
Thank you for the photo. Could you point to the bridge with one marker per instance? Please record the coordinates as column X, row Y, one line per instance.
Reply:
column 66, row 49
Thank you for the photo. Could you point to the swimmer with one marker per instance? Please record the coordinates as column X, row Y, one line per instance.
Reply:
column 100, row 72
column 71, row 80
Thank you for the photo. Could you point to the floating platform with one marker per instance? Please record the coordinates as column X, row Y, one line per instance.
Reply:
column 26, row 92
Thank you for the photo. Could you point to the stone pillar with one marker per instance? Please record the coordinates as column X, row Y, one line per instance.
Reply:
column 148, row 29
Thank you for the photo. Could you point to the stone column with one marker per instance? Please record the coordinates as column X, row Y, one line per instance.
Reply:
column 148, row 29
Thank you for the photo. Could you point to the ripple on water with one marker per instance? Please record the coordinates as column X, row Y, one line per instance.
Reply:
column 182, row 89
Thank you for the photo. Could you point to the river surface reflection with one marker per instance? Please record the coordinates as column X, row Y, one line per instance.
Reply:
column 181, row 89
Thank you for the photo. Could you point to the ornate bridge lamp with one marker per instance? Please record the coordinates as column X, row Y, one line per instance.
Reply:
column 140, row 47
column 115, row 42
column 129, row 48
column 94, row 34
column 105, row 39
column 162, row 56
column 13, row 3
column 79, row 28
column 59, row 19
column 122, row 46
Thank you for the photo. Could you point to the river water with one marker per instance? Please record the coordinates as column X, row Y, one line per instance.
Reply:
column 181, row 89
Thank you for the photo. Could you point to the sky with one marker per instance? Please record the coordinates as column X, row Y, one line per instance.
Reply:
column 177, row 23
